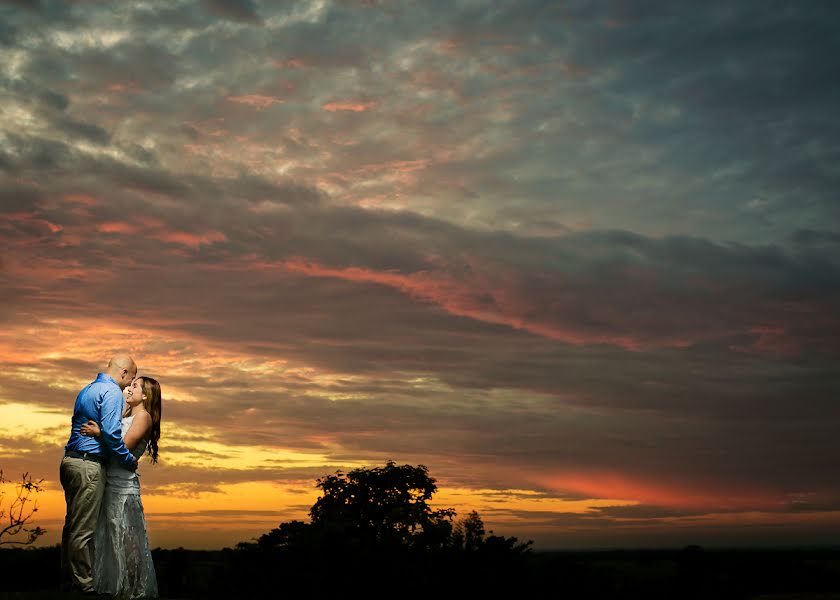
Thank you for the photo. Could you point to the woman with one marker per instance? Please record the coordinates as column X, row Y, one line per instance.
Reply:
column 122, row 561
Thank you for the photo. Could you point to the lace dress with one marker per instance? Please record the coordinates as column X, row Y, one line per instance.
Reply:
column 122, row 561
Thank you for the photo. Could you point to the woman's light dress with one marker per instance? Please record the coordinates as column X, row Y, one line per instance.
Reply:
column 122, row 561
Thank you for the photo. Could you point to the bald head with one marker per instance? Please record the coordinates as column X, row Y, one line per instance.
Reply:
column 123, row 369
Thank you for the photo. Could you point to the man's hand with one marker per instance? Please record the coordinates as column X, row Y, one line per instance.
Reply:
column 91, row 429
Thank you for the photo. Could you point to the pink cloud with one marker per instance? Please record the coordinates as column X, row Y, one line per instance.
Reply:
column 292, row 63
column 401, row 166
column 448, row 46
column 672, row 494
column 500, row 294
column 116, row 227
column 791, row 329
column 192, row 240
column 123, row 88
column 33, row 220
column 490, row 299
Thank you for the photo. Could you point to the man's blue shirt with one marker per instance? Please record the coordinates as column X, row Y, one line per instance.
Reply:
column 100, row 401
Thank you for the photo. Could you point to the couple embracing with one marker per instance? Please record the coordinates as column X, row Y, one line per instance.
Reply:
column 104, row 545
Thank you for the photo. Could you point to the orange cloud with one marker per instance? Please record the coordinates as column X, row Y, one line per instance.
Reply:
column 349, row 106
column 258, row 101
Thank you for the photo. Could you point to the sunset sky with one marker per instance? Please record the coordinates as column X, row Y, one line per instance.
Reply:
column 580, row 259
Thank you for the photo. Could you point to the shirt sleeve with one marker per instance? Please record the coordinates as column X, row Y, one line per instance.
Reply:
column 111, row 428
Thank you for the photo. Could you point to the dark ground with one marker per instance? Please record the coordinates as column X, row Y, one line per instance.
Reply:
column 789, row 574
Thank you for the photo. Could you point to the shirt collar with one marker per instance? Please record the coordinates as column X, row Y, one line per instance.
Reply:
column 105, row 378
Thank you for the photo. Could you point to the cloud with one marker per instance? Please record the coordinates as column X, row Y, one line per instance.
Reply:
column 576, row 250
column 236, row 10
column 337, row 106
column 256, row 100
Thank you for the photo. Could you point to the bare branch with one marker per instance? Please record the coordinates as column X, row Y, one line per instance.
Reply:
column 15, row 518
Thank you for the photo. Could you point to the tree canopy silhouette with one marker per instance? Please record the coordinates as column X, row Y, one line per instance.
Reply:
column 385, row 505
column 371, row 507
column 375, row 527
column 384, row 509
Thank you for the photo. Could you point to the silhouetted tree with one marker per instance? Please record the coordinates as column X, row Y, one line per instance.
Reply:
column 15, row 518
column 382, row 505
column 469, row 532
column 500, row 545
column 374, row 526
column 385, row 508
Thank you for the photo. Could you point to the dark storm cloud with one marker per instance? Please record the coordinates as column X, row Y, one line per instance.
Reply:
column 675, row 291
column 645, row 79
column 747, row 87
column 177, row 18
column 133, row 63
column 237, row 10
column 750, row 83
column 29, row 92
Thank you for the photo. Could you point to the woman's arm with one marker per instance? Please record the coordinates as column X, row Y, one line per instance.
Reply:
column 141, row 425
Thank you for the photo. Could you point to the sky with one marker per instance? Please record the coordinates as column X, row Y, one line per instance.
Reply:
column 579, row 259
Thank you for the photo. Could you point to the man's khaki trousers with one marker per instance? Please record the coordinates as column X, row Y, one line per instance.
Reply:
column 84, row 483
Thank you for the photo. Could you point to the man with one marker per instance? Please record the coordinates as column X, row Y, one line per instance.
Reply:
column 83, row 467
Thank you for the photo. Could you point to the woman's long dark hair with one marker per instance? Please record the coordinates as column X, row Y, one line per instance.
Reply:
column 151, row 402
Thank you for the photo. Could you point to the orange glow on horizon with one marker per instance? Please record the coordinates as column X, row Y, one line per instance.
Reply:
column 239, row 512
column 659, row 493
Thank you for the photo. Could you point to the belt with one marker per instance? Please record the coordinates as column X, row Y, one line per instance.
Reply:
column 85, row 456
